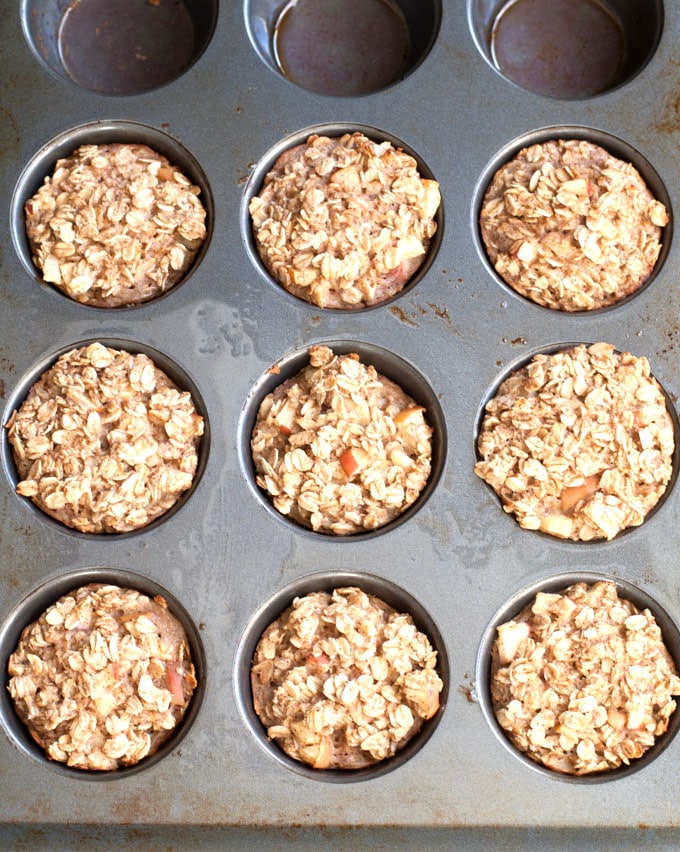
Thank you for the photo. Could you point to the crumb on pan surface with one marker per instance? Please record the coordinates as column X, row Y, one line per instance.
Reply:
column 339, row 447
column 344, row 222
column 581, row 681
column 570, row 226
column 105, row 441
column 115, row 225
column 341, row 680
column 103, row 677
column 578, row 444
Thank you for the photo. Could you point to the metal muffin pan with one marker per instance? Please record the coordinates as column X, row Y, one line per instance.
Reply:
column 224, row 553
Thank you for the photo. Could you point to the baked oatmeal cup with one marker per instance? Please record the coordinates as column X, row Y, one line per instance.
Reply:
column 579, row 443
column 339, row 448
column 341, row 680
column 115, row 224
column 344, row 222
column 105, row 442
column 571, row 227
column 581, row 681
column 103, row 677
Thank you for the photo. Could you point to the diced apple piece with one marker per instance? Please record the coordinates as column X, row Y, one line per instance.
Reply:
column 557, row 525
column 285, row 418
column 324, row 754
column 571, row 495
column 510, row 636
column 409, row 415
column 353, row 459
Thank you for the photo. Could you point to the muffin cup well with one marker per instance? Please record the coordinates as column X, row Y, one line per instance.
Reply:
column 567, row 50
column 103, row 133
column 31, row 607
column 17, row 396
column 386, row 363
column 133, row 48
column 339, row 49
column 271, row 609
column 555, row 584
column 256, row 179
column 613, row 145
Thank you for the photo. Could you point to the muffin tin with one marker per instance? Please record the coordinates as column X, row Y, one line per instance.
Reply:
column 224, row 556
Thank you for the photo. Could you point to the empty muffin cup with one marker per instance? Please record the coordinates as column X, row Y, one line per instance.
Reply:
column 583, row 715
column 568, row 50
column 124, row 49
column 104, row 438
column 342, row 49
column 385, row 603
column 360, row 465
column 171, row 688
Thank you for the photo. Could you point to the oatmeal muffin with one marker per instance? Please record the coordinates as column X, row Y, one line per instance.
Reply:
column 105, row 442
column 115, row 225
column 581, row 681
column 342, row 680
column 571, row 227
column 103, row 677
column 578, row 444
column 339, row 447
column 344, row 222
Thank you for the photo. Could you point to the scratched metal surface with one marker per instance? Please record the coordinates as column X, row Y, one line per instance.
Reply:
column 222, row 555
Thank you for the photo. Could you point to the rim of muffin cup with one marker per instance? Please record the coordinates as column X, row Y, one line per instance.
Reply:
column 551, row 349
column 163, row 362
column 641, row 30
column 104, row 132
column 422, row 20
column 333, row 130
column 275, row 605
column 388, row 364
column 613, row 145
column 43, row 21
column 556, row 583
column 33, row 604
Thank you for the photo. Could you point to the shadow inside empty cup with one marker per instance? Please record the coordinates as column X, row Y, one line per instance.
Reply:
column 343, row 48
column 570, row 49
column 119, row 48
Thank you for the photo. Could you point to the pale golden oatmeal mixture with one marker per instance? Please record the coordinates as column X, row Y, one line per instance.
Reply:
column 115, row 225
column 339, row 447
column 344, row 222
column 570, row 226
column 578, row 444
column 342, row 680
column 103, row 677
column 105, row 442
column 582, row 681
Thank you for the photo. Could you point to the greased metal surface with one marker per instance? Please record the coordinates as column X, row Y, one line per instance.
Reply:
column 223, row 554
